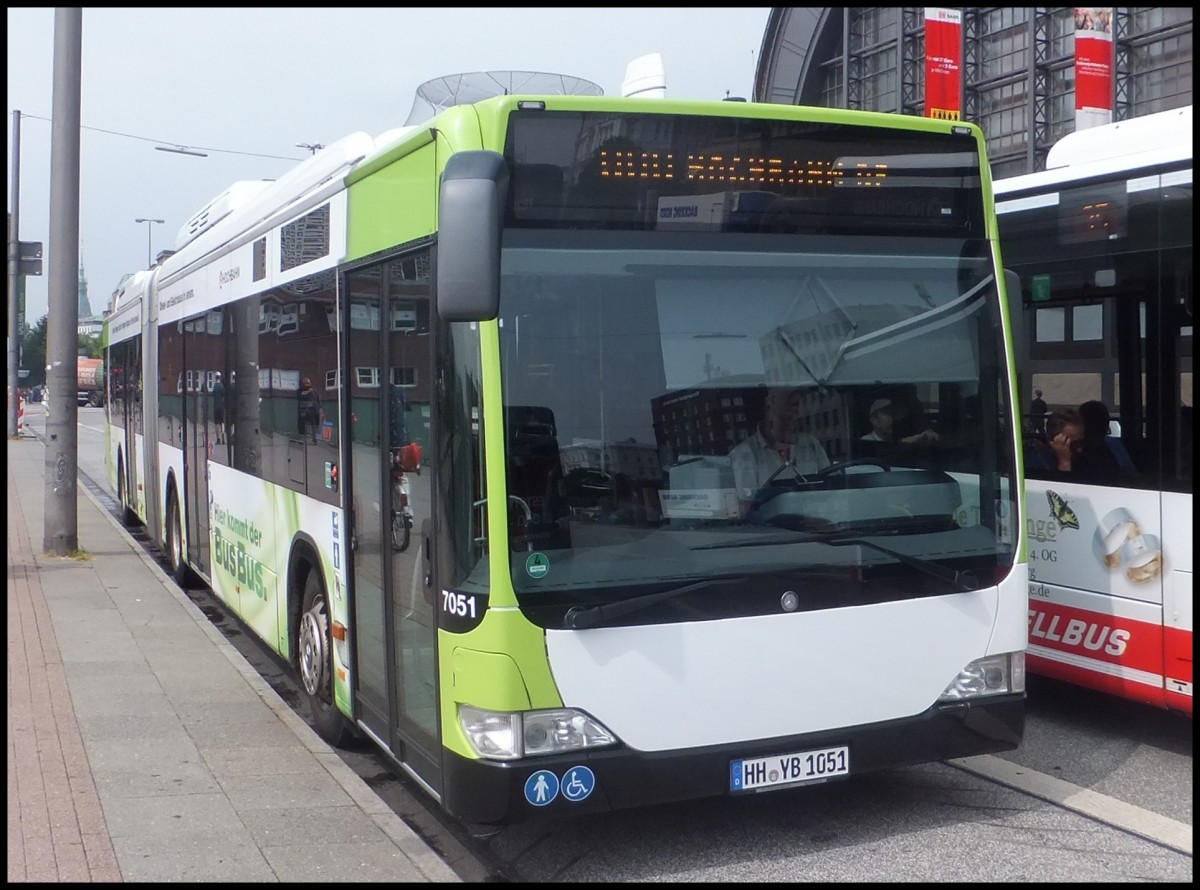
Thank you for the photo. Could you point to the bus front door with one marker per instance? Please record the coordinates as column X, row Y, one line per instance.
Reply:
column 388, row 385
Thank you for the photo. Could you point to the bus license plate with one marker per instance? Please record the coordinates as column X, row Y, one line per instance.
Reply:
column 789, row 769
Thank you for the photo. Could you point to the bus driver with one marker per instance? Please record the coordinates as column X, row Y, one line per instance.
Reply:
column 780, row 439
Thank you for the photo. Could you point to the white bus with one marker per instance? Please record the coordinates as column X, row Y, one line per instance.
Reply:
column 1102, row 242
column 586, row 619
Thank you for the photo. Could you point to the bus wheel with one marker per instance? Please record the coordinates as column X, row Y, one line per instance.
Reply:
column 316, row 663
column 128, row 516
column 179, row 569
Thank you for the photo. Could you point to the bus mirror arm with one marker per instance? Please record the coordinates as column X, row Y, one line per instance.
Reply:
column 1012, row 286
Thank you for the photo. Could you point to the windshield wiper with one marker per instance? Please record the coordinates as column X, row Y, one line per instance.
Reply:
column 580, row 617
column 962, row 580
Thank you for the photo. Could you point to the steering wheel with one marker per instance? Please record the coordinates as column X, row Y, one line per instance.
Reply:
column 841, row 466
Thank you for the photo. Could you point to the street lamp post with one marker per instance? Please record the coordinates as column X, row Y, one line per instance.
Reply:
column 149, row 228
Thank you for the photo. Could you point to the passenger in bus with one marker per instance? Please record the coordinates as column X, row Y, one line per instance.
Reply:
column 1077, row 447
column 779, row 440
column 1097, row 431
column 884, row 416
column 1055, row 453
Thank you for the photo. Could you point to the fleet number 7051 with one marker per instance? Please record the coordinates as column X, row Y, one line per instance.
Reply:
column 462, row 604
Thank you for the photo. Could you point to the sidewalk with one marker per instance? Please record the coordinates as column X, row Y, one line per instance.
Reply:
column 141, row 745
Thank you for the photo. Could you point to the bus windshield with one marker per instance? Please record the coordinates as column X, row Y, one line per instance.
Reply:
column 640, row 376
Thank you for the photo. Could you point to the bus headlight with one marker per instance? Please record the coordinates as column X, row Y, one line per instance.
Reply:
column 498, row 735
column 993, row 675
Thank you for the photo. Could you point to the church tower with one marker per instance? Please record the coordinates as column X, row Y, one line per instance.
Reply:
column 85, row 307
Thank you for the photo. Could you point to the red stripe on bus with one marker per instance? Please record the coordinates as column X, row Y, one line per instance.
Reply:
column 1108, row 639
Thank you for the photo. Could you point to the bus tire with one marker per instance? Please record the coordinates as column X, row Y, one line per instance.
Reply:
column 128, row 516
column 315, row 663
column 175, row 559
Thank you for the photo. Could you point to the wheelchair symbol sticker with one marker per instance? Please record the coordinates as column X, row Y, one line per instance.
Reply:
column 541, row 788
column 577, row 783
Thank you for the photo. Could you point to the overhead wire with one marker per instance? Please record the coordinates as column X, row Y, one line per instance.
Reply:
column 170, row 142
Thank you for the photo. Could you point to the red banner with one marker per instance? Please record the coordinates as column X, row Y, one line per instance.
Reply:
column 1093, row 66
column 943, row 63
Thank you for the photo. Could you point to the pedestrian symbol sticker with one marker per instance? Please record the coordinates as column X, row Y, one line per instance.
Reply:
column 578, row 783
column 537, row 565
column 541, row 788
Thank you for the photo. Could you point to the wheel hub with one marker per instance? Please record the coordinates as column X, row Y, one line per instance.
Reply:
column 313, row 658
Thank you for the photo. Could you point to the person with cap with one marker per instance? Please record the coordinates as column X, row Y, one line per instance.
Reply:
column 779, row 440
column 883, row 415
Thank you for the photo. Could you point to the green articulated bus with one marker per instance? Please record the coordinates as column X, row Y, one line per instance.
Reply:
column 544, row 337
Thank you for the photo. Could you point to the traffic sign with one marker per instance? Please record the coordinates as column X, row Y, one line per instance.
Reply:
column 29, row 258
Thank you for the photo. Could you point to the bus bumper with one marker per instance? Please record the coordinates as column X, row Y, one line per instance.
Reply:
column 492, row 792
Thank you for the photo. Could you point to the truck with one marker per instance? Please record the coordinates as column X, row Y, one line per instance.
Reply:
column 89, row 380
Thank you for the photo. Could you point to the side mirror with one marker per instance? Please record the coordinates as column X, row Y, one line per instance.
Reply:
column 473, row 193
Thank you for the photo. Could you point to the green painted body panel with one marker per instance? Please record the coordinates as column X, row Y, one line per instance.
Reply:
column 393, row 206
column 501, row 666
column 504, row 629
column 255, row 527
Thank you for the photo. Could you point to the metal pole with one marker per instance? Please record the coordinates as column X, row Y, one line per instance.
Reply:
column 61, row 523
column 14, row 282
column 149, row 229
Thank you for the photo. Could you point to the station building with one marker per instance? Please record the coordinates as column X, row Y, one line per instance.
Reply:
column 1016, row 67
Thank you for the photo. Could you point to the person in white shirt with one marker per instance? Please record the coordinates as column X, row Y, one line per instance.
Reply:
column 780, row 439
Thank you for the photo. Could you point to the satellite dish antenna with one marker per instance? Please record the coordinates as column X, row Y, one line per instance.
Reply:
column 645, row 77
column 434, row 96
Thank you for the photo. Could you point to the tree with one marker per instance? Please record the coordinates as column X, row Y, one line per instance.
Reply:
column 33, row 350
column 89, row 346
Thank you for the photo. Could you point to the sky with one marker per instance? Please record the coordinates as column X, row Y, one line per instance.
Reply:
column 247, row 85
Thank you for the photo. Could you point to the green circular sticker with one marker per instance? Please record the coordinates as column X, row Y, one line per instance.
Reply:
column 537, row 565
